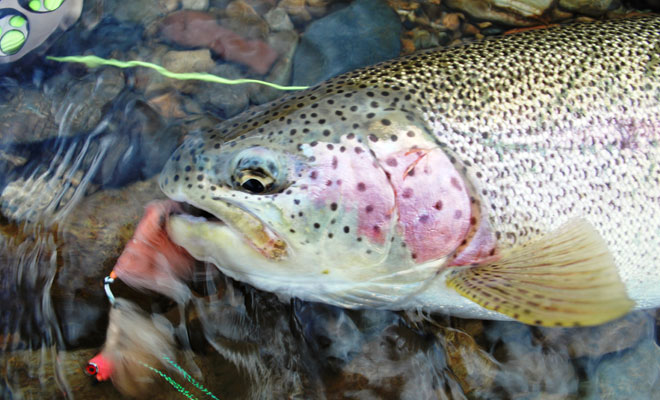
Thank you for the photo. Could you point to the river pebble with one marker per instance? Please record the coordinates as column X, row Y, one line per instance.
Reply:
column 199, row 5
column 285, row 43
column 598, row 341
column 632, row 374
column 278, row 20
column 197, row 29
column 224, row 101
column 238, row 335
column 363, row 33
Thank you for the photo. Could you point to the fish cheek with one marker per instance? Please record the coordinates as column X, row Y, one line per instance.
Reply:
column 350, row 193
column 432, row 202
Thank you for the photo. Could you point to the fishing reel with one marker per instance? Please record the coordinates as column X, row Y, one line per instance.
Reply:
column 26, row 25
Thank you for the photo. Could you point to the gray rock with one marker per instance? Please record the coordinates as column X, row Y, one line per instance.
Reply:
column 364, row 33
column 278, row 20
column 633, row 374
column 224, row 101
column 510, row 12
column 285, row 44
column 589, row 7
column 26, row 114
column 597, row 341
column 184, row 62
column 195, row 4
column 77, row 104
column 140, row 11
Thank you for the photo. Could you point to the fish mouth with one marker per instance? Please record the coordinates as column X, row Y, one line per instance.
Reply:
column 217, row 226
column 192, row 211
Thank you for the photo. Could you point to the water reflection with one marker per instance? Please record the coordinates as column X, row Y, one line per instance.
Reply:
column 74, row 180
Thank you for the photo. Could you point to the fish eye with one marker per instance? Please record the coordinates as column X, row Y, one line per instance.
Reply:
column 255, row 181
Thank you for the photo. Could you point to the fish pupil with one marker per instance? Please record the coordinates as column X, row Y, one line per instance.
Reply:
column 253, row 185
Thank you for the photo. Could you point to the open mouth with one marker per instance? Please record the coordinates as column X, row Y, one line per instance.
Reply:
column 187, row 209
column 235, row 219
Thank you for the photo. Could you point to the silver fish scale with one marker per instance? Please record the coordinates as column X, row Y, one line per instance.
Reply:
column 552, row 125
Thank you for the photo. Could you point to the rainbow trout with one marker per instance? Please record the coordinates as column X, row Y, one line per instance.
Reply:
column 510, row 178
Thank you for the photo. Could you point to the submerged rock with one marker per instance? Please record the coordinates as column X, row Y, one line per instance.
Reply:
column 285, row 43
column 199, row 5
column 242, row 19
column 510, row 12
column 26, row 114
column 78, row 103
column 597, row 341
column 224, row 101
column 364, row 33
column 633, row 374
column 278, row 20
column 474, row 368
column 198, row 29
column 590, row 7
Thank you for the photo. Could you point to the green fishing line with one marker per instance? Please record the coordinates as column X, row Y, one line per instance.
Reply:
column 94, row 61
column 177, row 385
column 172, row 382
column 190, row 378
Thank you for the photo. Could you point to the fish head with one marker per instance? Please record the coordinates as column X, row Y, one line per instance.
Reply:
column 321, row 199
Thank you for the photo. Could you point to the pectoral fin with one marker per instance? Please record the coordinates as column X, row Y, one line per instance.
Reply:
column 566, row 278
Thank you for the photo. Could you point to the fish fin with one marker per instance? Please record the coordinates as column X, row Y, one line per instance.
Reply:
column 566, row 278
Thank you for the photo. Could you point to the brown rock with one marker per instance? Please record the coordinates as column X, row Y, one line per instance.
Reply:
column 168, row 105
column 407, row 46
column 296, row 9
column 452, row 21
column 242, row 19
column 239, row 8
column 188, row 61
column 511, row 12
column 317, row 8
column 198, row 29
column 473, row 367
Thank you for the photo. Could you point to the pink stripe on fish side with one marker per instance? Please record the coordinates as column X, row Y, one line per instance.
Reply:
column 432, row 202
column 347, row 175
column 481, row 248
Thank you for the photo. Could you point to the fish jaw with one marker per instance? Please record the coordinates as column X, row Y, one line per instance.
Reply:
column 226, row 221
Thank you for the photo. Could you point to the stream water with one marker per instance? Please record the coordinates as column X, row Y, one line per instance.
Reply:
column 80, row 152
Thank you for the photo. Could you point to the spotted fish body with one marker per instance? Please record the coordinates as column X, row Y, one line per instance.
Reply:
column 372, row 188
